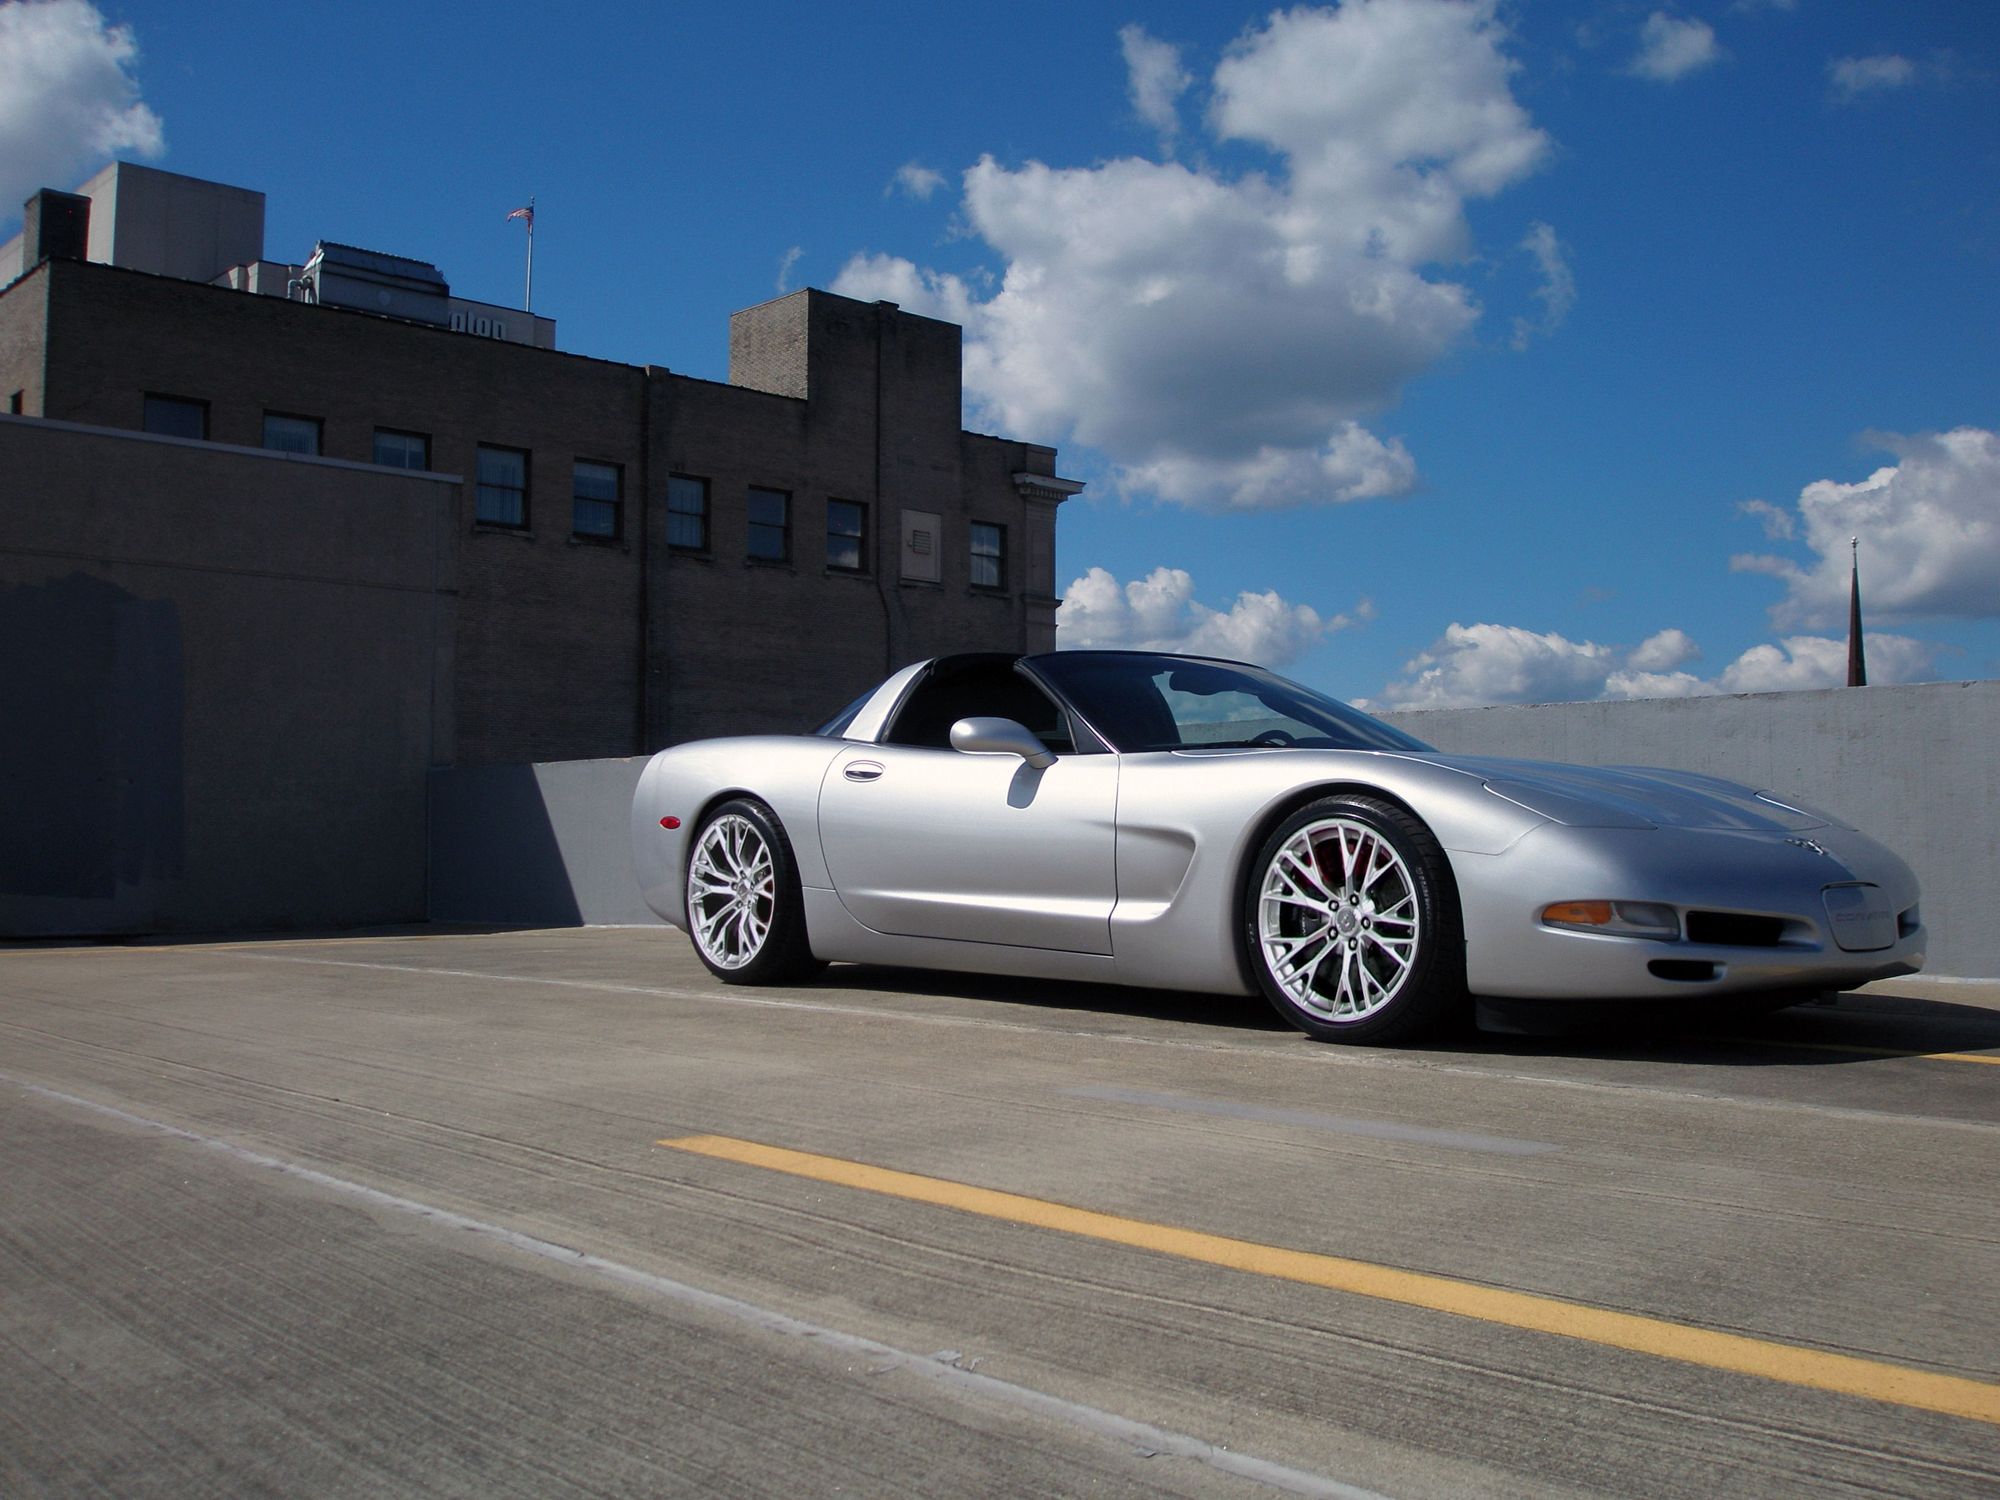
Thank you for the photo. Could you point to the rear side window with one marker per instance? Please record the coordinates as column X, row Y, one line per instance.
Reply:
column 977, row 688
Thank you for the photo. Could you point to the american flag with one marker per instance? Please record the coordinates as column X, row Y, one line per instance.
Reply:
column 527, row 213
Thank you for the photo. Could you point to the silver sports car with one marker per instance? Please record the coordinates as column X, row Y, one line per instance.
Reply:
column 1184, row 823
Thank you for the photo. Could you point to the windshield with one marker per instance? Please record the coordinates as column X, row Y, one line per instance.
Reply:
column 1140, row 701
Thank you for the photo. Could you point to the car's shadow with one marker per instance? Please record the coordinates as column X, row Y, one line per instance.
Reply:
column 1832, row 1031
column 1229, row 1012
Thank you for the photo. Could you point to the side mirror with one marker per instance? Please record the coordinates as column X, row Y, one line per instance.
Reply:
column 1000, row 737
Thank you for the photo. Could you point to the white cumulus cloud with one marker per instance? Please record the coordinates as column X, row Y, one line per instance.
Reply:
column 1160, row 613
column 914, row 180
column 67, row 96
column 1473, row 665
column 1779, row 524
column 1816, row 661
column 1671, row 47
column 1854, row 76
column 1663, row 652
column 887, row 278
column 785, row 263
column 1929, row 526
column 1155, row 79
column 1354, row 465
column 1225, row 339
column 1557, row 293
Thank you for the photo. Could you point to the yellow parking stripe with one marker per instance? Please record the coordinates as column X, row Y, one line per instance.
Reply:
column 1790, row 1363
column 1849, row 1047
column 1971, row 1057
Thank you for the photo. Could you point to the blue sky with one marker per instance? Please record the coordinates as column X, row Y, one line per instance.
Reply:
column 1436, row 352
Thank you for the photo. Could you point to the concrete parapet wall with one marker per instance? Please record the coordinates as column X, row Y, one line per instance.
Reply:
column 1910, row 765
column 547, row 845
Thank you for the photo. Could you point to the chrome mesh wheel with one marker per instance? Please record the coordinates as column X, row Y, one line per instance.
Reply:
column 732, row 891
column 1338, row 919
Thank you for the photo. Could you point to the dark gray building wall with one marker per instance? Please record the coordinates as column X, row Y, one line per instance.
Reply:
column 221, row 683
column 547, row 654
column 570, row 648
column 1909, row 765
column 23, row 345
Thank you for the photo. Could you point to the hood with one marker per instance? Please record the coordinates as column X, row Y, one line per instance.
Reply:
column 1635, row 796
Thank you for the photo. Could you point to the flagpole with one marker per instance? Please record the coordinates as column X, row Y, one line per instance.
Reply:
column 528, row 296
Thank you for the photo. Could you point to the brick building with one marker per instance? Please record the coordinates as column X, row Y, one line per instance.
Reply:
column 639, row 556
column 277, row 541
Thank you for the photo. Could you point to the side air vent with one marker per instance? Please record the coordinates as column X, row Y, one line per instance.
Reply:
column 1690, row 970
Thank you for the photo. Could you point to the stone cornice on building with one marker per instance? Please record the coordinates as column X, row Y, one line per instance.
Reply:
column 1048, row 488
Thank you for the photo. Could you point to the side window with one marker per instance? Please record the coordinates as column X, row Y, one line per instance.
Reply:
column 289, row 434
column 770, row 537
column 595, row 507
column 503, row 488
column 687, row 513
column 846, row 536
column 402, row 450
column 989, row 556
column 989, row 688
column 176, row 416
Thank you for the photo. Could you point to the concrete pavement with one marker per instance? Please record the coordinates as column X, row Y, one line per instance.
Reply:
column 390, row 1214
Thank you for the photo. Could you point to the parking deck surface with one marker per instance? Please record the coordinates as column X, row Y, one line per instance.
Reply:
column 554, row 1213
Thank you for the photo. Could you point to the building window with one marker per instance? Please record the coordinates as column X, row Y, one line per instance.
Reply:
column 770, row 525
column 687, row 513
column 989, row 556
column 846, row 536
column 177, row 416
column 596, row 491
column 402, row 450
column 289, row 434
column 503, row 487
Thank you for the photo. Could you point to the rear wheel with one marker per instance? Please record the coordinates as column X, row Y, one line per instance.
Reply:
column 1352, row 923
column 744, row 910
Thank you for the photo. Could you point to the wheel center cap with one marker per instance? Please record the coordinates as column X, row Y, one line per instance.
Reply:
column 1347, row 921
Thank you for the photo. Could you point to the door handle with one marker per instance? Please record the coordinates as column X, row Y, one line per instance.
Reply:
column 863, row 770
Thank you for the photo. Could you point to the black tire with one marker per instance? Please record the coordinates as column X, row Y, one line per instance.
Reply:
column 744, row 910
column 1376, row 955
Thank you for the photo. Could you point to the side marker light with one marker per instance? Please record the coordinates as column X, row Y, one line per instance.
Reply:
column 670, row 821
column 1642, row 919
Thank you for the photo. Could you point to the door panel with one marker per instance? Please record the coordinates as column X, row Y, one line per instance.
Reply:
column 979, row 848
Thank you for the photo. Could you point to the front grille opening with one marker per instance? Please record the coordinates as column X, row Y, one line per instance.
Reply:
column 1689, row 970
column 1735, row 929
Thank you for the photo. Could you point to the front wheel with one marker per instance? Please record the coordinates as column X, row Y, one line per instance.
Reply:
column 1352, row 924
column 744, row 910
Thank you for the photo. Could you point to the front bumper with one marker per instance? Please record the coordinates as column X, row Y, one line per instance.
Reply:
column 1780, row 884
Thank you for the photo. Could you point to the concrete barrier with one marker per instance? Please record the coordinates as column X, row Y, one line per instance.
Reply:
column 542, row 846
column 1911, row 765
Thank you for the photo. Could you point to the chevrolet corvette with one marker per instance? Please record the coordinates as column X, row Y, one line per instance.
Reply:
column 1185, row 823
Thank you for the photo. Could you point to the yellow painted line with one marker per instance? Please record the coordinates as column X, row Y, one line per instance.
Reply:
column 1794, row 1365
column 1851, row 1047
column 1968, row 1057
